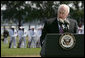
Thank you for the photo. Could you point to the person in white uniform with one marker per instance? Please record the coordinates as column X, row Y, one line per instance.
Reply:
column 39, row 32
column 20, row 34
column 12, row 35
column 5, row 35
column 24, row 38
column 81, row 29
column 31, row 40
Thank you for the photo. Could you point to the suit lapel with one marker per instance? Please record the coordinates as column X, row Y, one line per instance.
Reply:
column 55, row 26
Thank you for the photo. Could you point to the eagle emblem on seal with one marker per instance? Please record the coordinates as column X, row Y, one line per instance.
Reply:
column 67, row 41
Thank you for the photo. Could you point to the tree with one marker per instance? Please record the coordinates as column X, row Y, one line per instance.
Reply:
column 24, row 10
column 13, row 10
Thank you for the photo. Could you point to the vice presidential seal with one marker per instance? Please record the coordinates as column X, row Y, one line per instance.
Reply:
column 67, row 41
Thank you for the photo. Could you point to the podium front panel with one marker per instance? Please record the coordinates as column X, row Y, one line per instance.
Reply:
column 53, row 48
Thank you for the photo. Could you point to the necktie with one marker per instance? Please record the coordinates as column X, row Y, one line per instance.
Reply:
column 61, row 30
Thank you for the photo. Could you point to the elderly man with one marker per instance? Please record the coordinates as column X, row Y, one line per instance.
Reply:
column 60, row 24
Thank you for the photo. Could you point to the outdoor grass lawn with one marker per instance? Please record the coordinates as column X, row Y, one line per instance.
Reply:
column 18, row 52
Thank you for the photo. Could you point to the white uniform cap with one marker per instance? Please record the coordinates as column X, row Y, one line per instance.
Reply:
column 21, row 27
column 13, row 27
column 32, row 27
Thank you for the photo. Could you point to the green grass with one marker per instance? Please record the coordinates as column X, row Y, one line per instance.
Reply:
column 5, row 51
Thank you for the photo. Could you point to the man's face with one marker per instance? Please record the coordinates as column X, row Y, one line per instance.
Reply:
column 62, row 13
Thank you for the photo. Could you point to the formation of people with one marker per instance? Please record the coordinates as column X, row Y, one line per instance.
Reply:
column 32, row 35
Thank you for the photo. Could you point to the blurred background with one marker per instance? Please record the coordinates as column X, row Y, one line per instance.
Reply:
column 28, row 13
column 35, row 13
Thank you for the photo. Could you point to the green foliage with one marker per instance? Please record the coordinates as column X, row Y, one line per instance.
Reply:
column 18, row 9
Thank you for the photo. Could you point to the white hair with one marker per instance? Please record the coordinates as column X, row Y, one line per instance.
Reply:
column 66, row 6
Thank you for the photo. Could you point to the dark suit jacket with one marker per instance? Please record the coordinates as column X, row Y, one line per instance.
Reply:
column 51, row 26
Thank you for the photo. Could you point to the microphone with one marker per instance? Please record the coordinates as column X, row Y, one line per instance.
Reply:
column 61, row 20
column 67, row 23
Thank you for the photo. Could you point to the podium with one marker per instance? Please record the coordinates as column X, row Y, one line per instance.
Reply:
column 52, row 48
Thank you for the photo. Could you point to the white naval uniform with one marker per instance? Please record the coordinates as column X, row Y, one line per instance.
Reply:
column 24, row 39
column 31, row 35
column 12, row 35
column 38, row 35
column 81, row 30
column 20, row 34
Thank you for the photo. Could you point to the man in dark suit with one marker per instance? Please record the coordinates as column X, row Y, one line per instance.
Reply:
column 60, row 24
